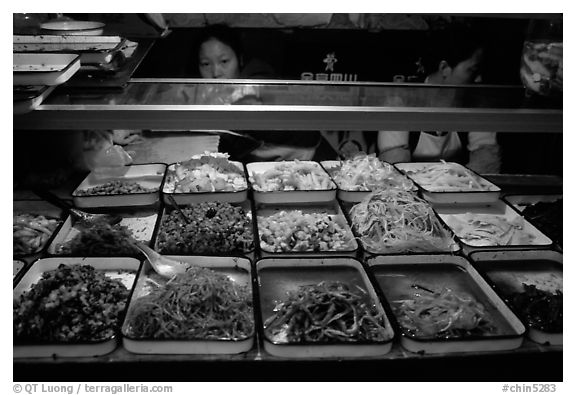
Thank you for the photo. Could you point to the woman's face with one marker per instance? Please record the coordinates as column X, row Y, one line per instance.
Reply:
column 466, row 71
column 218, row 60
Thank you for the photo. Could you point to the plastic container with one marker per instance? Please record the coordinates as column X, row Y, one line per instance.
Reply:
column 401, row 278
column 43, row 69
column 507, row 271
column 110, row 266
column 335, row 214
column 238, row 269
column 289, row 196
column 484, row 191
column 277, row 276
column 148, row 176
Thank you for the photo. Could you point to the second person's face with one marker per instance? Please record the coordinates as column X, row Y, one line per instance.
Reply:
column 218, row 60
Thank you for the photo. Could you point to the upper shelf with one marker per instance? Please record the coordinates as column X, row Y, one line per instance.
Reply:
column 169, row 104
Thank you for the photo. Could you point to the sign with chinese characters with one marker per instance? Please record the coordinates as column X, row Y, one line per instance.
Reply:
column 329, row 75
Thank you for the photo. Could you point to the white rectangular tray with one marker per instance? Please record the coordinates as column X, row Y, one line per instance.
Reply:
column 140, row 222
column 355, row 196
column 92, row 49
column 43, row 69
column 450, row 216
column 198, row 197
column 518, row 263
column 332, row 209
column 438, row 262
column 273, row 197
column 238, row 269
column 69, row 349
column 465, row 196
column 146, row 175
column 290, row 273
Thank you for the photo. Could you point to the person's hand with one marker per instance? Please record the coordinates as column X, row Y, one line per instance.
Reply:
column 485, row 160
column 396, row 155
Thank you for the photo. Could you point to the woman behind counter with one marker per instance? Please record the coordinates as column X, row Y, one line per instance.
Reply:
column 219, row 56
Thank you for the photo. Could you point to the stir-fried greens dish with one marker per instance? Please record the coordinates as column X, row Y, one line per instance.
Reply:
column 199, row 304
column 368, row 173
column 393, row 220
column 292, row 176
column 547, row 216
column 30, row 232
column 448, row 177
column 541, row 309
column 326, row 312
column 490, row 229
column 443, row 314
column 292, row 230
column 209, row 172
column 214, row 228
column 71, row 303
column 100, row 239
column 115, row 187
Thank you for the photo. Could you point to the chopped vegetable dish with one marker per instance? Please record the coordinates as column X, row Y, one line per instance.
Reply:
column 30, row 232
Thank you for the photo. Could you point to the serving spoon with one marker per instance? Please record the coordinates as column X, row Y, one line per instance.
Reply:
column 162, row 265
column 88, row 219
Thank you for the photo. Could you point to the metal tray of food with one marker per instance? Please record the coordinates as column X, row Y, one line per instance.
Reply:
column 43, row 69
column 356, row 178
column 74, row 239
column 210, row 177
column 390, row 222
column 27, row 98
column 85, row 342
column 460, row 186
column 494, row 226
column 215, row 228
column 92, row 49
column 194, row 328
column 290, row 182
column 125, row 186
column 342, row 279
column 17, row 266
column 441, row 304
column 531, row 282
column 544, row 211
column 318, row 229
column 35, row 224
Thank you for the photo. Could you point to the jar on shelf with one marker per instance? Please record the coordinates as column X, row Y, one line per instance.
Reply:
column 541, row 68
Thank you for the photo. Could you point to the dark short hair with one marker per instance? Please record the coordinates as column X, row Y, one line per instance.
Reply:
column 222, row 33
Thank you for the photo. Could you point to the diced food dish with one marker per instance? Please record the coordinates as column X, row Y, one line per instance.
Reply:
column 214, row 228
column 209, row 172
column 100, row 239
column 31, row 232
column 292, row 176
column 330, row 311
column 73, row 303
column 547, row 216
column 293, row 230
column 368, row 173
column 397, row 221
column 200, row 304
column 479, row 229
column 115, row 187
column 448, row 177
column 442, row 314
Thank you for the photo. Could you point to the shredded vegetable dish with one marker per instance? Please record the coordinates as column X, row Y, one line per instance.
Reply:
column 442, row 314
column 368, row 173
column 293, row 230
column 209, row 172
column 292, row 176
column 326, row 312
column 71, row 303
column 200, row 304
column 394, row 221
column 215, row 228
column 448, row 177
column 479, row 230
column 100, row 239
column 30, row 232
